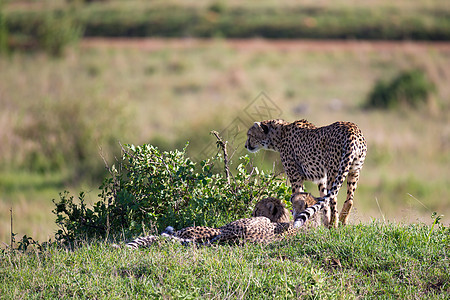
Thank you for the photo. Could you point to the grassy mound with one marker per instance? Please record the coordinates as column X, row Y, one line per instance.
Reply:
column 375, row 260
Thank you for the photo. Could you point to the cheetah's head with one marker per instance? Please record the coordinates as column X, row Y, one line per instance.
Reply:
column 265, row 134
column 273, row 209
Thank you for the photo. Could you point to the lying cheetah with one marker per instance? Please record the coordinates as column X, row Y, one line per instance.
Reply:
column 325, row 155
column 273, row 209
column 270, row 221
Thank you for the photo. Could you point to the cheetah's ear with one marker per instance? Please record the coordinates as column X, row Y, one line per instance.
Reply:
column 264, row 127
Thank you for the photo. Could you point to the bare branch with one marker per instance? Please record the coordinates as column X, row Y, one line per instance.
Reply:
column 223, row 146
column 12, row 234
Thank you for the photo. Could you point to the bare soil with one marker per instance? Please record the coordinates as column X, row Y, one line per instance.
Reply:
column 154, row 44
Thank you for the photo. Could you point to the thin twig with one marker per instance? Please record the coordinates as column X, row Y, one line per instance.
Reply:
column 113, row 175
column 223, row 146
column 12, row 234
column 126, row 151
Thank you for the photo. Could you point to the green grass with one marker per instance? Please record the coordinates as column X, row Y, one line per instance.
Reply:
column 390, row 261
column 30, row 195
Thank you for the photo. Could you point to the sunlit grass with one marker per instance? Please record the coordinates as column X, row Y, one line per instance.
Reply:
column 30, row 195
column 371, row 260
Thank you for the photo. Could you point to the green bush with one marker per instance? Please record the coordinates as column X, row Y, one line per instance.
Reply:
column 409, row 88
column 153, row 189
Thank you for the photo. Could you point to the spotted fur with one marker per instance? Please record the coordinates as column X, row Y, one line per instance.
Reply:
column 270, row 222
column 324, row 155
column 262, row 230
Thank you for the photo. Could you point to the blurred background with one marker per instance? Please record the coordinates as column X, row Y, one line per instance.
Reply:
column 78, row 77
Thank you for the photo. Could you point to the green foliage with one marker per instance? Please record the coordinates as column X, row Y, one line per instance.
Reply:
column 76, row 220
column 409, row 88
column 262, row 21
column 154, row 189
column 389, row 261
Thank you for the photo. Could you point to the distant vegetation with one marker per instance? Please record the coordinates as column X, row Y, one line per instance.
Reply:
column 28, row 27
column 51, row 32
column 407, row 89
column 4, row 34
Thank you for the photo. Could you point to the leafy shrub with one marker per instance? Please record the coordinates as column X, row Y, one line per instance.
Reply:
column 154, row 189
column 409, row 88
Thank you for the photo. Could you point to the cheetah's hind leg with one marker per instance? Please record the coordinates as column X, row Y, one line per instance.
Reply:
column 352, row 182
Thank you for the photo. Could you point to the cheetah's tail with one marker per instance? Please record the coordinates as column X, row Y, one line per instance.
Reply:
column 143, row 242
column 308, row 213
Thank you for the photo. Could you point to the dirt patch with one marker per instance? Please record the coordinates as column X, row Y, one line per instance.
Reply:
column 154, row 44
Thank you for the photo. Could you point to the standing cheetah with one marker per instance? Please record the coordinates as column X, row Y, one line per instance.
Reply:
column 324, row 155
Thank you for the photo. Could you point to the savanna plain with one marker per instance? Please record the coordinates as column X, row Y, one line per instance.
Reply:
column 60, row 116
column 67, row 112
column 167, row 92
column 64, row 118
